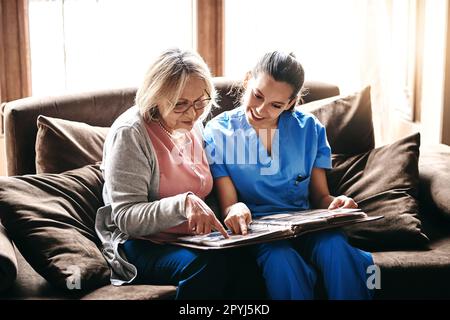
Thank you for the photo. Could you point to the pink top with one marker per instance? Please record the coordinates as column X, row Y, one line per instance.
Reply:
column 182, row 162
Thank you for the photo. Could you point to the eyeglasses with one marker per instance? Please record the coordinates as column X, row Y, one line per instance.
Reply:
column 197, row 104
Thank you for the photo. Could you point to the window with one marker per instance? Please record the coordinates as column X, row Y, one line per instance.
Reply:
column 93, row 44
column 325, row 35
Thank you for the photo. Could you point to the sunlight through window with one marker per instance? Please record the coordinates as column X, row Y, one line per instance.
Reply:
column 94, row 44
column 325, row 35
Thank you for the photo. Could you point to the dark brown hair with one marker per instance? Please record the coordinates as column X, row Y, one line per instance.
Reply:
column 282, row 67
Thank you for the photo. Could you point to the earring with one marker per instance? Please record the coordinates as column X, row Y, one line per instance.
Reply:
column 153, row 112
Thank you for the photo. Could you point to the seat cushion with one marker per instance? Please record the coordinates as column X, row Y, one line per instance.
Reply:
column 50, row 218
column 415, row 274
column 63, row 145
column 383, row 181
column 30, row 285
column 132, row 292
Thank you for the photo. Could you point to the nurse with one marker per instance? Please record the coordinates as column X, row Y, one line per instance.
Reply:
column 267, row 157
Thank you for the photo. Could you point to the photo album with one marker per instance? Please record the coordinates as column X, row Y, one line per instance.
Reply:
column 271, row 227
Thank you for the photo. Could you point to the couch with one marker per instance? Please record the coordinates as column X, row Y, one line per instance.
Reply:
column 406, row 272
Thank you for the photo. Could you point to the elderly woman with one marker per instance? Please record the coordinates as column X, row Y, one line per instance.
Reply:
column 156, row 178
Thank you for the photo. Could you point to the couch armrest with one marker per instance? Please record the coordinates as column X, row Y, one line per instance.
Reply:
column 434, row 174
column 96, row 108
column 8, row 261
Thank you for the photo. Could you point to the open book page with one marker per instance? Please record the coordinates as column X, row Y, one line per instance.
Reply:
column 272, row 227
column 310, row 217
column 215, row 239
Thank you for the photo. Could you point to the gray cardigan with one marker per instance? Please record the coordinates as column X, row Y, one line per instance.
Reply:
column 132, row 207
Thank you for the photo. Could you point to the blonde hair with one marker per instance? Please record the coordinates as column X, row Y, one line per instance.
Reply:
column 165, row 80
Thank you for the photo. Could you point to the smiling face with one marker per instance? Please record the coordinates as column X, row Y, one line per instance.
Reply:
column 265, row 99
column 194, row 90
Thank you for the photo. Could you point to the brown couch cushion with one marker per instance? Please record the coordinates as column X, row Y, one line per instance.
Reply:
column 383, row 181
column 63, row 145
column 8, row 261
column 50, row 218
column 132, row 292
column 434, row 168
column 348, row 121
column 415, row 274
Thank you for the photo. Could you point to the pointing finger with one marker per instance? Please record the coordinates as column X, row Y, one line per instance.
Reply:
column 243, row 226
column 218, row 226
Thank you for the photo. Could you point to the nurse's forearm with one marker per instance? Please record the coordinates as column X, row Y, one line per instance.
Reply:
column 324, row 202
column 226, row 192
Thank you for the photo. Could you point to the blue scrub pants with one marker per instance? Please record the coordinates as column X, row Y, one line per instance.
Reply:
column 290, row 268
column 198, row 274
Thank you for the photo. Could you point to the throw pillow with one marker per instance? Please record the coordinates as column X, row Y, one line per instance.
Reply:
column 63, row 145
column 385, row 182
column 348, row 121
column 50, row 218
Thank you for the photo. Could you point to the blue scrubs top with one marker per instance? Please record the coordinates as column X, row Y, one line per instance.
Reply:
column 268, row 184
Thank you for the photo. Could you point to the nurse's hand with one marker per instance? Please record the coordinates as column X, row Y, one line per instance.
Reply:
column 201, row 219
column 238, row 218
column 342, row 202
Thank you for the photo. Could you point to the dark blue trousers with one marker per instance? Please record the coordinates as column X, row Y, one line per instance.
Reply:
column 291, row 267
column 198, row 274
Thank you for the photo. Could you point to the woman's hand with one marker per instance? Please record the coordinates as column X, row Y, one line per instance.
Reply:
column 342, row 202
column 238, row 218
column 182, row 228
column 201, row 219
